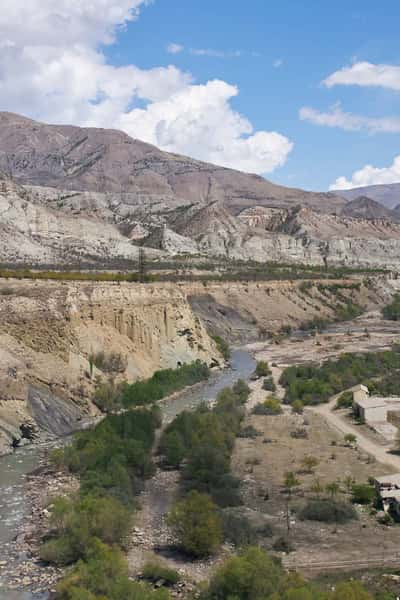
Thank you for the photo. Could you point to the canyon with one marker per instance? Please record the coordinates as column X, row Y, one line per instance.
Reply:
column 49, row 330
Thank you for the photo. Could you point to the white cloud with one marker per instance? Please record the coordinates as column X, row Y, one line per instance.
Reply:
column 277, row 63
column 370, row 175
column 52, row 67
column 336, row 117
column 216, row 53
column 366, row 74
column 175, row 48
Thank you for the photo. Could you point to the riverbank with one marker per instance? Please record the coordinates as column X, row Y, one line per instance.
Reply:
column 44, row 483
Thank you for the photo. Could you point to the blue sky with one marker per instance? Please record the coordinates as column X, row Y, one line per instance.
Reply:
column 313, row 39
column 244, row 87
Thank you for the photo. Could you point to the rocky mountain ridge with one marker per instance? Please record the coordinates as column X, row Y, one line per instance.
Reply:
column 79, row 194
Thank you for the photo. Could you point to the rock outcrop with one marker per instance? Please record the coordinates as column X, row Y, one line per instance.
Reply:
column 76, row 196
column 48, row 331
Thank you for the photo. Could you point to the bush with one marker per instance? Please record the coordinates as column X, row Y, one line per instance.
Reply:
column 238, row 530
column 327, row 511
column 313, row 383
column 262, row 369
column 253, row 575
column 108, row 396
column 104, row 574
column 196, row 524
column 363, row 494
column 76, row 522
column 155, row 572
column 344, row 401
column 298, row 407
column 108, row 363
column 269, row 385
column 392, row 310
column 271, row 407
column 249, row 432
column 222, row 346
column 164, row 383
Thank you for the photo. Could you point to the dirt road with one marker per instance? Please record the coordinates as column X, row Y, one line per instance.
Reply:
column 381, row 453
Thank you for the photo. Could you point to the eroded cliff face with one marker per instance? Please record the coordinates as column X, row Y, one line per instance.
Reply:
column 48, row 331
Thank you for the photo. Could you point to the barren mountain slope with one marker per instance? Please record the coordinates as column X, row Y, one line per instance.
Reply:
column 74, row 158
column 363, row 207
column 386, row 194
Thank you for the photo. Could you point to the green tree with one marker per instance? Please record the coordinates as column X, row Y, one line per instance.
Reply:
column 352, row 590
column 196, row 524
column 253, row 575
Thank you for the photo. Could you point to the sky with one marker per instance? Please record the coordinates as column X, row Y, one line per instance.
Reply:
column 306, row 93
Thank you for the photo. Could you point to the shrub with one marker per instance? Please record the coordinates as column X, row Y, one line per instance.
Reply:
column 196, row 524
column 392, row 310
column 108, row 396
column 155, row 572
column 298, row 407
column 222, row 346
column 237, row 529
column 363, row 494
column 269, row 385
column 271, row 406
column 113, row 362
column 262, row 369
column 344, row 401
column 328, row 511
column 164, row 383
column 249, row 432
column 253, row 575
column 104, row 574
column 313, row 383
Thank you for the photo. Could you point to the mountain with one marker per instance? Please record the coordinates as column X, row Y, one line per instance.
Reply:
column 363, row 207
column 386, row 194
column 73, row 195
column 105, row 160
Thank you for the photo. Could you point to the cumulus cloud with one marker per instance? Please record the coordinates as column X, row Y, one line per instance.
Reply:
column 366, row 74
column 175, row 48
column 277, row 63
column 370, row 175
column 336, row 117
column 53, row 68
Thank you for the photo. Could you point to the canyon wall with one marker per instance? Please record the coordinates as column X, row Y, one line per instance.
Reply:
column 49, row 330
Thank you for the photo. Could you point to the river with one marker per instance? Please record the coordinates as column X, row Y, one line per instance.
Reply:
column 14, row 505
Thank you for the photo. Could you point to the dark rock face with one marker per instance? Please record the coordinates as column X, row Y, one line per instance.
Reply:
column 52, row 414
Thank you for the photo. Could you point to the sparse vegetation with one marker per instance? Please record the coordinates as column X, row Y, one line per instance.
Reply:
column 345, row 400
column 156, row 572
column 269, row 385
column 327, row 511
column 262, row 369
column 313, row 384
column 222, row 346
column 163, row 383
column 113, row 362
column 271, row 406
column 392, row 310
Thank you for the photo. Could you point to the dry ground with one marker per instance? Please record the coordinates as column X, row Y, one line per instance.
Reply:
column 263, row 462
